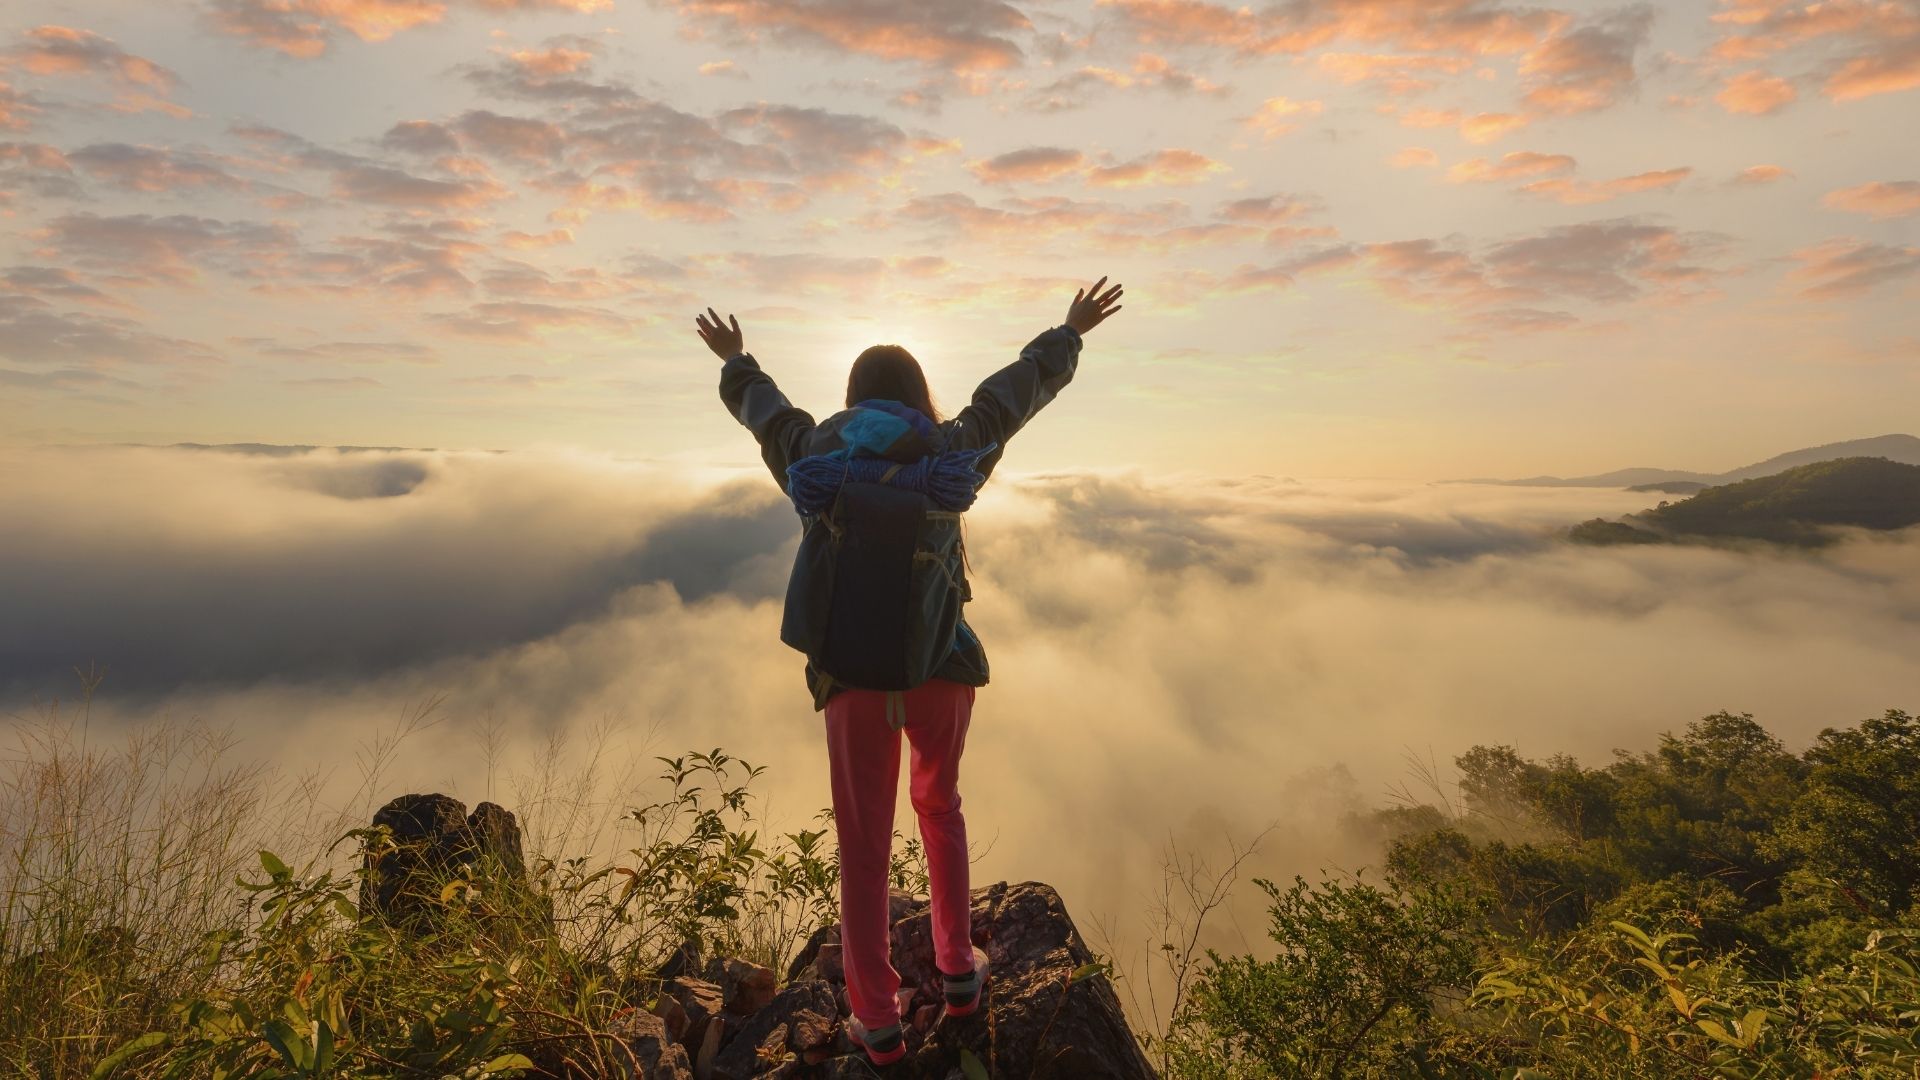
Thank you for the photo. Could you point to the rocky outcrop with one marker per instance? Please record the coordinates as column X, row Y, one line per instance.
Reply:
column 1037, row 1021
column 435, row 842
column 729, row 1019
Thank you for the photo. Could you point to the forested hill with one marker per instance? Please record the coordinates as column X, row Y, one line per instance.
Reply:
column 1794, row 507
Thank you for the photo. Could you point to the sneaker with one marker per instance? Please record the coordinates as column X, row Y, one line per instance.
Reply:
column 884, row 1046
column 962, row 992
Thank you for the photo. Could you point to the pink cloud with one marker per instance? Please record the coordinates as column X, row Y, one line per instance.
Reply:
column 949, row 35
column 1163, row 168
column 1880, row 199
column 1843, row 268
column 1033, row 165
column 142, row 85
column 1277, row 116
column 1756, row 93
column 306, row 28
column 1755, row 175
column 1582, row 192
column 1587, row 68
column 1518, row 165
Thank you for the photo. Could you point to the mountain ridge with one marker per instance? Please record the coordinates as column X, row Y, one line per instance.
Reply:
column 1901, row 448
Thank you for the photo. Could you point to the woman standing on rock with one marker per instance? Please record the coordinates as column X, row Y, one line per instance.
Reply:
column 875, row 604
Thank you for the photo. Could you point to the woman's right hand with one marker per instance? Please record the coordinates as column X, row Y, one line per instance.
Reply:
column 1090, row 306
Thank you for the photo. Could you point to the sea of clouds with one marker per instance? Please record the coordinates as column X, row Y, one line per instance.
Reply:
column 1176, row 660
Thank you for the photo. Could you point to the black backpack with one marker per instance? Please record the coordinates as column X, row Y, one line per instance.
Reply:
column 877, row 587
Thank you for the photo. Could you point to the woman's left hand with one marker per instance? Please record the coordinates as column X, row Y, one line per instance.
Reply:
column 725, row 342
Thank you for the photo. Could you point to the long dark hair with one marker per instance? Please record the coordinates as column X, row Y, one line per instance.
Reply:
column 890, row 372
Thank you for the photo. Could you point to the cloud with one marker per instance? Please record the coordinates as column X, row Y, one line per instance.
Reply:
column 1481, row 128
column 1867, row 47
column 1244, row 648
column 37, row 168
column 1844, row 267
column 1278, row 116
column 1518, row 165
column 172, row 248
column 1164, row 167
column 307, row 28
column 17, row 108
column 1398, row 75
column 1150, row 72
column 154, row 169
column 34, row 333
column 1033, row 165
column 341, row 352
column 1414, row 157
column 726, row 68
column 1756, row 175
column 1589, row 67
column 949, row 35
column 1464, row 27
column 1032, row 218
column 1583, row 192
column 1880, row 199
column 1755, row 93
column 1267, row 209
column 141, row 84
column 1605, row 261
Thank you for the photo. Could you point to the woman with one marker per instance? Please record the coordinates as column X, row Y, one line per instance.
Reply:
column 863, row 745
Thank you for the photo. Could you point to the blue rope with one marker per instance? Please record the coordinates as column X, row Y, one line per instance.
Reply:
column 949, row 478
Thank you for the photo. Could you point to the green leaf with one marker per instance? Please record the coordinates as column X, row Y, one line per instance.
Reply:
column 505, row 1063
column 971, row 1066
column 322, row 1049
column 1719, row 1033
column 1751, row 1026
column 293, row 1049
column 119, row 1057
column 1085, row 971
column 271, row 864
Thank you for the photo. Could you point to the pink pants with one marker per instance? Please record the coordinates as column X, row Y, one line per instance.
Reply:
column 863, row 750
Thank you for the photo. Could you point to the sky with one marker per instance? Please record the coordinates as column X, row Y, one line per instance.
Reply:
column 1359, row 238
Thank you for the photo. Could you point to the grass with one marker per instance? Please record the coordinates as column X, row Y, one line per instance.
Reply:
column 169, row 909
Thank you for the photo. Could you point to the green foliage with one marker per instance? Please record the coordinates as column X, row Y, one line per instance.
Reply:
column 1356, row 977
column 1857, row 820
column 1720, row 907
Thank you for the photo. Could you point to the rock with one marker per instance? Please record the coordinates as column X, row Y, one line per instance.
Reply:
column 685, row 960
column 674, row 1015
column 657, row 1054
column 800, row 1018
column 435, row 842
column 701, row 1002
column 746, row 987
column 1034, row 1021
column 811, row 950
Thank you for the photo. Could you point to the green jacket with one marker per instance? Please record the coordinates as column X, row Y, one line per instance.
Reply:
column 1002, row 405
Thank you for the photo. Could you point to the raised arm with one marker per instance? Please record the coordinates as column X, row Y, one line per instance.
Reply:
column 753, row 399
column 1010, row 397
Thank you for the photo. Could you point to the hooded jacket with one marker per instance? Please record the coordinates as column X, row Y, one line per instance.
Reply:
column 1001, row 406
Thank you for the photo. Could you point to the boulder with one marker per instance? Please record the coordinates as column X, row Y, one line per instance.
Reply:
column 435, row 841
column 804, row 1017
column 1036, row 1021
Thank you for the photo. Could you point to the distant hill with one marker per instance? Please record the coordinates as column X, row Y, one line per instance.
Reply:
column 1904, row 449
column 1795, row 506
column 1673, row 487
